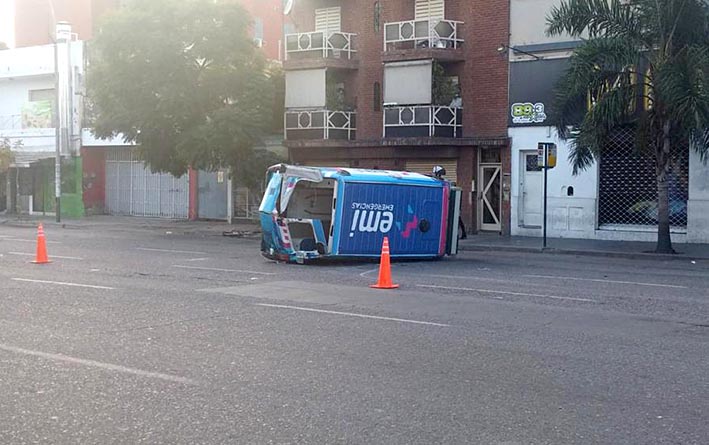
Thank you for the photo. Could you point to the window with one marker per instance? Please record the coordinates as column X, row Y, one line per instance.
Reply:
column 377, row 105
column 627, row 183
column 532, row 163
column 289, row 28
column 377, row 16
column 258, row 29
column 42, row 95
column 430, row 9
column 328, row 20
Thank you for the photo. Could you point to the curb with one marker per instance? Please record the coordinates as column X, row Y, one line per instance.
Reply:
column 33, row 224
column 593, row 253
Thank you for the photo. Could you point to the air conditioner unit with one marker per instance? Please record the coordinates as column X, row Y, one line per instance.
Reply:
column 258, row 42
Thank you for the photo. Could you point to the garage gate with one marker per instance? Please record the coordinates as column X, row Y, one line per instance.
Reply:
column 132, row 189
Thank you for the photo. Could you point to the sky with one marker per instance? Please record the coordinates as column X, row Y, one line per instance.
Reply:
column 6, row 22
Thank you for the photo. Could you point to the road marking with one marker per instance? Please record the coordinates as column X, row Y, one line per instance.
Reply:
column 149, row 249
column 29, row 240
column 596, row 280
column 364, row 274
column 198, row 259
column 519, row 294
column 53, row 256
column 215, row 269
column 350, row 314
column 62, row 283
column 95, row 364
column 458, row 277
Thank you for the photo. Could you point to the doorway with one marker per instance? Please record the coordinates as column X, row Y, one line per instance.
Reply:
column 490, row 182
column 530, row 186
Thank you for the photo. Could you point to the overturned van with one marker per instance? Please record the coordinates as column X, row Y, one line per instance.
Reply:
column 309, row 213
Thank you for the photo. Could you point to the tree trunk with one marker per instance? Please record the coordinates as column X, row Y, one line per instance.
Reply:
column 664, row 242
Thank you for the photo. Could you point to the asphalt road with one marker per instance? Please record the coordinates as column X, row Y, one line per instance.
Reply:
column 141, row 336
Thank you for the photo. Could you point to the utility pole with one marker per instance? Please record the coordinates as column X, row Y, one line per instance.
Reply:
column 62, row 66
column 57, row 135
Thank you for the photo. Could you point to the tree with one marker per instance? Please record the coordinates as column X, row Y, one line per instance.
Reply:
column 7, row 157
column 182, row 80
column 650, row 52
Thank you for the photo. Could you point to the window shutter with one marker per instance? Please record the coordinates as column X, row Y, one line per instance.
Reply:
column 425, row 167
column 408, row 83
column 328, row 20
column 433, row 9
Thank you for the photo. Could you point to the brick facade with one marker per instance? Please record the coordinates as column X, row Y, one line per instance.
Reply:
column 483, row 75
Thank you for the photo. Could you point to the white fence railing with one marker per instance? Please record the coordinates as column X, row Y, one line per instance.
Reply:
column 320, row 124
column 339, row 45
column 423, row 121
column 426, row 33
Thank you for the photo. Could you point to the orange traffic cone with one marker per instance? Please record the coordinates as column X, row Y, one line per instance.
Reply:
column 384, row 281
column 42, row 257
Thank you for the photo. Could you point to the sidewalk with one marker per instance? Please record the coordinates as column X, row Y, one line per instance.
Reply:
column 131, row 223
column 621, row 249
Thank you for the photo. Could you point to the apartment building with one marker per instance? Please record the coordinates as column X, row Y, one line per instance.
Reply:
column 29, row 116
column 404, row 85
column 614, row 199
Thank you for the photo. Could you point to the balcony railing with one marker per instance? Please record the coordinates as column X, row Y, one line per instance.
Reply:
column 319, row 44
column 26, row 121
column 426, row 33
column 320, row 124
column 11, row 122
column 423, row 121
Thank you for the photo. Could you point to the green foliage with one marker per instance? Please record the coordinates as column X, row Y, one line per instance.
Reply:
column 636, row 53
column 183, row 80
column 254, row 177
column 7, row 157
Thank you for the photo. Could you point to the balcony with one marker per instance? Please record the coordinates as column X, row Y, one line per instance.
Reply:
column 320, row 125
column 426, row 38
column 417, row 121
column 321, row 49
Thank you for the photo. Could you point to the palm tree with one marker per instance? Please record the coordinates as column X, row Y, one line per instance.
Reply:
column 642, row 64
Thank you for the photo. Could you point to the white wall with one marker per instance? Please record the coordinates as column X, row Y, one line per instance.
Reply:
column 32, row 68
column 576, row 217
column 528, row 22
column 36, row 60
column 15, row 92
column 569, row 217
column 698, row 205
column 528, row 27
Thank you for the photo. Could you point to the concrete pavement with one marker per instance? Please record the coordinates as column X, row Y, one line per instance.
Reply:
column 146, row 336
column 619, row 249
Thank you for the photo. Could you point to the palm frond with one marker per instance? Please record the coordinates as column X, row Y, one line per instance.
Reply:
column 595, row 18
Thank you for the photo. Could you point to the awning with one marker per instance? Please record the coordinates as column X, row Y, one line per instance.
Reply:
column 24, row 158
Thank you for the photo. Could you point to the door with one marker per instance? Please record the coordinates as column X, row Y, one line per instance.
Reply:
column 531, row 190
column 213, row 195
column 490, row 197
column 133, row 189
